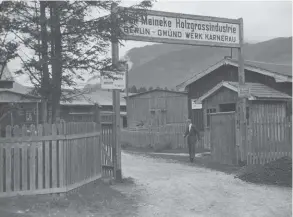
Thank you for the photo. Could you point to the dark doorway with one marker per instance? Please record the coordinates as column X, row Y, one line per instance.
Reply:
column 228, row 107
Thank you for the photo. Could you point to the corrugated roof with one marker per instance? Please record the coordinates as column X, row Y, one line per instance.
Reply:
column 279, row 72
column 282, row 69
column 262, row 91
column 154, row 90
column 256, row 91
column 100, row 97
column 103, row 97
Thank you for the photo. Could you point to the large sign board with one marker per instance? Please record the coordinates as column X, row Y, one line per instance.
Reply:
column 113, row 80
column 166, row 27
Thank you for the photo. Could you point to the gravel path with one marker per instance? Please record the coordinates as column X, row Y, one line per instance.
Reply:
column 162, row 188
column 172, row 189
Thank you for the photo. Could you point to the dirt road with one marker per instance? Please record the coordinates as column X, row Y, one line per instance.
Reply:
column 159, row 188
column 172, row 189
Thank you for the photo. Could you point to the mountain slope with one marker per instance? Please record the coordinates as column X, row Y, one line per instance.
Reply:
column 167, row 65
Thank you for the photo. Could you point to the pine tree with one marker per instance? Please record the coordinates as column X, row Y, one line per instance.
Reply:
column 64, row 42
column 8, row 47
column 133, row 89
column 142, row 89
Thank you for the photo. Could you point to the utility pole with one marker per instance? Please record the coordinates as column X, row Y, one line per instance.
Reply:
column 242, row 97
column 126, row 83
column 116, row 98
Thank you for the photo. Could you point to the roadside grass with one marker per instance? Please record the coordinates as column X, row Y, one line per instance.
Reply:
column 95, row 199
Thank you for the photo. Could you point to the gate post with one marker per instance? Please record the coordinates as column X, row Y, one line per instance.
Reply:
column 116, row 98
column 242, row 97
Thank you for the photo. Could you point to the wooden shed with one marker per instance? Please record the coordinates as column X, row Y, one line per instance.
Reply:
column 263, row 100
column 156, row 108
column 266, row 112
column 276, row 76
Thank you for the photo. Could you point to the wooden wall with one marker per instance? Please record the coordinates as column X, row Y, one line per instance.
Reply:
column 82, row 113
column 226, row 73
column 157, row 108
column 222, row 96
column 18, row 114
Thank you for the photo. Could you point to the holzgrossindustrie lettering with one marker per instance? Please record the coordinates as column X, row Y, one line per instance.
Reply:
column 184, row 29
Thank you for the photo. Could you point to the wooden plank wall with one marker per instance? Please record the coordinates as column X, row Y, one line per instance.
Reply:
column 270, row 138
column 157, row 108
column 223, row 138
column 107, row 150
column 151, row 137
column 48, row 158
column 106, row 144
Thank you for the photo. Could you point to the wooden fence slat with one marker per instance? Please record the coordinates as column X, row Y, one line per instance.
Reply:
column 8, row 169
column 1, row 169
column 40, row 158
column 54, row 157
column 32, row 164
column 47, row 165
column 24, row 164
column 38, row 163
column 16, row 169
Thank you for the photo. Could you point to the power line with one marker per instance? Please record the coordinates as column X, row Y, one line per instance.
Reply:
column 279, row 64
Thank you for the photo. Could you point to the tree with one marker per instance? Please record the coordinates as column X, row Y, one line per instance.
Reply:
column 133, row 89
column 151, row 88
column 65, row 43
column 8, row 47
column 166, row 88
column 142, row 89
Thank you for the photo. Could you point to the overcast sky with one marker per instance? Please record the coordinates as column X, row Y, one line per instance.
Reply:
column 263, row 20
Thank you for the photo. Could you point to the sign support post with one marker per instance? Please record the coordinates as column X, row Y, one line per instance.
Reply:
column 175, row 28
column 116, row 150
column 242, row 97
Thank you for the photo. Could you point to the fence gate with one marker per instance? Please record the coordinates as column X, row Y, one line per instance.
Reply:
column 223, row 137
column 106, row 144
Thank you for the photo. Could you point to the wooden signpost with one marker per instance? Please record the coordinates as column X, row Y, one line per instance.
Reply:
column 176, row 28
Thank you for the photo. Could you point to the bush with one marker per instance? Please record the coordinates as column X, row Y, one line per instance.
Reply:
column 163, row 146
column 125, row 145
column 278, row 172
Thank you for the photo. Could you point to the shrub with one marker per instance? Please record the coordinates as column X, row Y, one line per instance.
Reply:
column 159, row 147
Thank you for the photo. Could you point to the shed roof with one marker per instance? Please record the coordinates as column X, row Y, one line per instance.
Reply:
column 257, row 91
column 154, row 90
column 280, row 72
column 100, row 97
column 22, row 97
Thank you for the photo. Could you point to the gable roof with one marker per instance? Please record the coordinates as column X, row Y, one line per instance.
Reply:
column 154, row 90
column 280, row 72
column 22, row 97
column 257, row 91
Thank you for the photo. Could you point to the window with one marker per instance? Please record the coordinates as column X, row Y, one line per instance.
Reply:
column 28, row 116
column 209, row 111
column 20, row 112
column 228, row 107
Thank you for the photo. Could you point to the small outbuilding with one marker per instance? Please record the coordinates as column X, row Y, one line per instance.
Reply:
column 266, row 110
column 156, row 108
column 262, row 100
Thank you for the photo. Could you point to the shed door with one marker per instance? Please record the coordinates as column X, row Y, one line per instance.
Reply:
column 161, row 115
column 223, row 137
